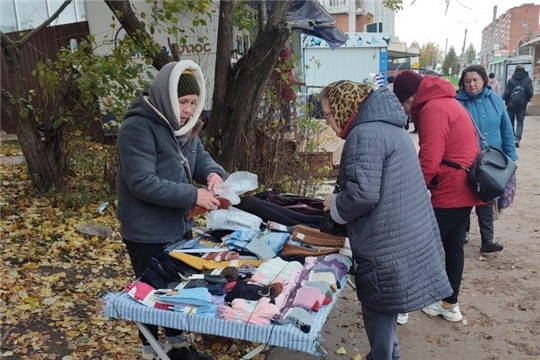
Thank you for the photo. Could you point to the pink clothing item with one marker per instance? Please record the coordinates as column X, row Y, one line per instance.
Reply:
column 262, row 307
column 267, row 279
column 250, row 312
column 145, row 294
column 282, row 299
column 495, row 86
column 308, row 298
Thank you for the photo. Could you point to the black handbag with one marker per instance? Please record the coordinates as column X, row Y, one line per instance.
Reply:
column 490, row 173
column 329, row 226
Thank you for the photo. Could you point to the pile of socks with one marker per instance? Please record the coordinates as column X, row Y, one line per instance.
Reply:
column 259, row 312
column 275, row 270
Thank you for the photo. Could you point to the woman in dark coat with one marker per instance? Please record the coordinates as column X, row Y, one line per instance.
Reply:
column 384, row 202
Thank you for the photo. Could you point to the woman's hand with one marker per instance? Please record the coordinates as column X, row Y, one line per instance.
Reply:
column 328, row 201
column 213, row 180
column 207, row 199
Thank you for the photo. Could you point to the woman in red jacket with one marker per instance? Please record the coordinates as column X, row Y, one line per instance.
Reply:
column 445, row 131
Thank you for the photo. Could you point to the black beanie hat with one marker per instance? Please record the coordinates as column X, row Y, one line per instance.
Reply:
column 406, row 84
column 188, row 85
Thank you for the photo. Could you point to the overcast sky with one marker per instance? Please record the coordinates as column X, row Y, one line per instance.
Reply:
column 425, row 21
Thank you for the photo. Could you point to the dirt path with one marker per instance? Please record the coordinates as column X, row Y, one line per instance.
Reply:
column 500, row 294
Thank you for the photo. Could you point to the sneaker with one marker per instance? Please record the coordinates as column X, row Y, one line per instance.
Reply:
column 516, row 143
column 451, row 314
column 175, row 342
column 466, row 238
column 491, row 246
column 402, row 318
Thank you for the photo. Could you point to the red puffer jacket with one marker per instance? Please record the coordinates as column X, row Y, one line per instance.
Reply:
column 445, row 131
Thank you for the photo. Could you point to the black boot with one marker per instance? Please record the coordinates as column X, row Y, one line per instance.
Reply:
column 491, row 246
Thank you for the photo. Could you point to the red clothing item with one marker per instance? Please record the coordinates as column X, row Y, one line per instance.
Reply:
column 445, row 131
column 283, row 86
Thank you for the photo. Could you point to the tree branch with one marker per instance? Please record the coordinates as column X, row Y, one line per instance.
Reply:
column 123, row 11
column 6, row 42
column 28, row 36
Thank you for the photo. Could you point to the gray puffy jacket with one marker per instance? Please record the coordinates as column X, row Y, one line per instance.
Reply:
column 392, row 229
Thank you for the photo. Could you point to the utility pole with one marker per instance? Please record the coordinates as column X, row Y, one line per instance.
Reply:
column 492, row 42
column 462, row 60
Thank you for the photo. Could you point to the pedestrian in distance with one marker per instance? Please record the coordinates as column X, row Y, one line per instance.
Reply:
column 445, row 130
column 159, row 157
column 488, row 112
column 391, row 227
column 495, row 86
column 517, row 93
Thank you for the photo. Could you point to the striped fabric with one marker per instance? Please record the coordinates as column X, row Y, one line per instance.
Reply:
column 122, row 306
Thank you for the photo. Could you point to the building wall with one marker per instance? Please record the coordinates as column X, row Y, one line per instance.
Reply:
column 342, row 22
column 519, row 23
column 200, row 45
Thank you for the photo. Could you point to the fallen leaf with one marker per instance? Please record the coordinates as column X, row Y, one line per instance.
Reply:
column 341, row 351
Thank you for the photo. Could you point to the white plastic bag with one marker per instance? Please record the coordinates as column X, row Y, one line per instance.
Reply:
column 232, row 219
column 237, row 184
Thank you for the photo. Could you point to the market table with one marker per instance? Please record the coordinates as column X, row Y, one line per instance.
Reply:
column 121, row 306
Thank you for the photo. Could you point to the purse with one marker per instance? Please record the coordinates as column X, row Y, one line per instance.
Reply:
column 490, row 173
column 329, row 226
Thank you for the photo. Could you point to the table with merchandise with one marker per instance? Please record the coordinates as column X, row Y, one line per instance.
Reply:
column 274, row 287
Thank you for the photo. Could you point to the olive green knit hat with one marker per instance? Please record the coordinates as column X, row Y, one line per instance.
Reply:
column 188, row 84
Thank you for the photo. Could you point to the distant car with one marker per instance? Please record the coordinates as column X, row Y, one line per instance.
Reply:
column 431, row 72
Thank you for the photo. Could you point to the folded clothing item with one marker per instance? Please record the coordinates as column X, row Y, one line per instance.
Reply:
column 262, row 250
column 323, row 286
column 313, row 236
column 329, row 277
column 224, row 255
column 295, row 250
column 215, row 284
column 199, row 210
column 252, row 291
column 299, row 318
column 230, row 273
column 308, row 298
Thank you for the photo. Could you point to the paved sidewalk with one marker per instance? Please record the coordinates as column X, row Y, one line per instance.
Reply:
column 10, row 160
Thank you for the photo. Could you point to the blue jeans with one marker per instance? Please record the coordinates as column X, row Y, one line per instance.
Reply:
column 518, row 115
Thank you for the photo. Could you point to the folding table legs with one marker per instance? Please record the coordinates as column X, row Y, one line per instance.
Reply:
column 254, row 352
column 152, row 340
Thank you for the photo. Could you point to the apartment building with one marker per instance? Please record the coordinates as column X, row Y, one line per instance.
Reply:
column 510, row 30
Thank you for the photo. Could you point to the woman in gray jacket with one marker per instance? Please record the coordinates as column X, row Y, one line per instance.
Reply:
column 159, row 157
column 384, row 201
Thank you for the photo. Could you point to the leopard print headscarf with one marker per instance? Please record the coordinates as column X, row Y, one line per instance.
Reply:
column 345, row 98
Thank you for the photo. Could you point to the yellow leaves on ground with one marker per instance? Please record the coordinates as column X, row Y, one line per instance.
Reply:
column 52, row 279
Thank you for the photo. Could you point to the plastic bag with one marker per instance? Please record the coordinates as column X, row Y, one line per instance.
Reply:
column 237, row 184
column 232, row 219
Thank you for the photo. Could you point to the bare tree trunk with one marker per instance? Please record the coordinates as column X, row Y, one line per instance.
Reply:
column 44, row 167
column 221, row 80
column 246, row 89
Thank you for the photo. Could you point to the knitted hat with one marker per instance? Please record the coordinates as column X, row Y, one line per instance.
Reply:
column 188, row 85
column 406, row 84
